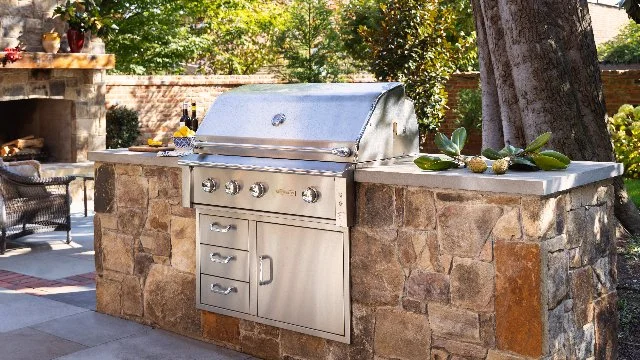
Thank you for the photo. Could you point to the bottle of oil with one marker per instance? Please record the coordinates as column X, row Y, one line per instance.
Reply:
column 194, row 117
column 185, row 120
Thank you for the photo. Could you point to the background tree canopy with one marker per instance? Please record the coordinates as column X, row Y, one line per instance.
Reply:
column 418, row 42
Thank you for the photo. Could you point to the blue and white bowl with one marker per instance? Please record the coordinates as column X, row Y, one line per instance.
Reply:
column 184, row 143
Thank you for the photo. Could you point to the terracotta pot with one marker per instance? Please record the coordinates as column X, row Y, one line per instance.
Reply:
column 76, row 40
column 51, row 42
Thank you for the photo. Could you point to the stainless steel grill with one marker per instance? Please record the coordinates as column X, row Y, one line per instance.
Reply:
column 271, row 179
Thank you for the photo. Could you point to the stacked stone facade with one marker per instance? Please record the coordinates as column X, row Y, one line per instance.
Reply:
column 86, row 129
column 435, row 274
column 24, row 22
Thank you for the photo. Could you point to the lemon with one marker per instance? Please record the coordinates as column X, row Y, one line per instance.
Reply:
column 177, row 134
column 184, row 131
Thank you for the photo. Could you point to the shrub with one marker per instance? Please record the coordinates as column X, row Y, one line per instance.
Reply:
column 625, row 134
column 122, row 127
column 469, row 109
column 624, row 48
column 417, row 42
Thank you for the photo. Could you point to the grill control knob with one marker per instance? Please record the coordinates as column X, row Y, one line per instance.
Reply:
column 209, row 185
column 257, row 190
column 310, row 195
column 232, row 187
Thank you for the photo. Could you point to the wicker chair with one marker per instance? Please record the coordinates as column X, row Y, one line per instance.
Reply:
column 30, row 203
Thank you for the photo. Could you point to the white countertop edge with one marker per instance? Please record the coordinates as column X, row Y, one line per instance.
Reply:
column 540, row 183
column 124, row 156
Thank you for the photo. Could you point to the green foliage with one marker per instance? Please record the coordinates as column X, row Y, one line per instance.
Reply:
column 624, row 128
column 451, row 147
column 122, row 127
column 530, row 158
column 469, row 109
column 633, row 189
column 219, row 36
column 311, row 44
column 85, row 15
column 624, row 48
column 418, row 42
column 237, row 36
column 154, row 36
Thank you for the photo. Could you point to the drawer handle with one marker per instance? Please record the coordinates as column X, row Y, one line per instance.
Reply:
column 221, row 229
column 217, row 258
column 218, row 289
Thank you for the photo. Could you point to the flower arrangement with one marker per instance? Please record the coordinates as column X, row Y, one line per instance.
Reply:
column 83, row 15
column 11, row 55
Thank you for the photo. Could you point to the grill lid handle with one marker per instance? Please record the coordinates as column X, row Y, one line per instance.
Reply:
column 344, row 152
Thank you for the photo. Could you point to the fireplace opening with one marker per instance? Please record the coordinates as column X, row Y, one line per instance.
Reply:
column 35, row 119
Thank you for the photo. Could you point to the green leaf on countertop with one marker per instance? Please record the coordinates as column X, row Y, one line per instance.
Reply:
column 523, row 164
column 538, row 143
column 557, row 155
column 434, row 163
column 548, row 163
column 459, row 137
column 446, row 146
column 491, row 154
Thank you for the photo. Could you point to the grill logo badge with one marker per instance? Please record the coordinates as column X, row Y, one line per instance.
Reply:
column 278, row 119
column 285, row 192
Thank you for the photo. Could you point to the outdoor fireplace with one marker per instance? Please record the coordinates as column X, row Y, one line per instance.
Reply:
column 57, row 97
column 64, row 107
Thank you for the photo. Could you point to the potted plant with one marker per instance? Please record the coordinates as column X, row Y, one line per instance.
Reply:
column 82, row 16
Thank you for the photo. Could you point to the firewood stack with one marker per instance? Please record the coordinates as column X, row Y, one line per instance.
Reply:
column 28, row 145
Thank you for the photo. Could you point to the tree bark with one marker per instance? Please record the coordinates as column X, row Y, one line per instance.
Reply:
column 539, row 71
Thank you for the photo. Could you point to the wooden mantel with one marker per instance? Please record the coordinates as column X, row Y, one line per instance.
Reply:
column 40, row 60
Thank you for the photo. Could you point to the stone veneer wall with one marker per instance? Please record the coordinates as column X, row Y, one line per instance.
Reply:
column 85, row 88
column 436, row 274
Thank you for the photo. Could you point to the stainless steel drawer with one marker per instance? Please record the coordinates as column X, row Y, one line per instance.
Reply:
column 225, row 232
column 223, row 293
column 227, row 263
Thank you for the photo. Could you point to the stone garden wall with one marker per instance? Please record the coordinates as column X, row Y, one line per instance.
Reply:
column 158, row 98
column 436, row 274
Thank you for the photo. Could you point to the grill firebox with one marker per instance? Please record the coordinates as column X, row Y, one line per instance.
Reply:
column 272, row 183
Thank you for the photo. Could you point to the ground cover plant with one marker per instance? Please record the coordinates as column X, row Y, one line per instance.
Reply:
column 633, row 188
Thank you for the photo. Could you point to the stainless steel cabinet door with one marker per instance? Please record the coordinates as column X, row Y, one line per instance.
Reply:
column 301, row 276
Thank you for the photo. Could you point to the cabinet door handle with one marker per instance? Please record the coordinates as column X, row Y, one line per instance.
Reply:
column 218, row 289
column 261, row 280
column 217, row 258
column 221, row 229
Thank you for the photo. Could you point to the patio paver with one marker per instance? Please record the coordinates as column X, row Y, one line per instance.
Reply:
column 21, row 310
column 31, row 344
column 91, row 328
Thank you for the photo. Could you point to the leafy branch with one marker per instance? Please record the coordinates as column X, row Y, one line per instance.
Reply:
column 531, row 158
column 451, row 147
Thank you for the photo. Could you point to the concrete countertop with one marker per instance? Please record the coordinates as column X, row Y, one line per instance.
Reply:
column 124, row 156
column 542, row 183
column 405, row 173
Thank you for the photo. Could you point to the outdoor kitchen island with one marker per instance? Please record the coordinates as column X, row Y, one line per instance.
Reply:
column 442, row 265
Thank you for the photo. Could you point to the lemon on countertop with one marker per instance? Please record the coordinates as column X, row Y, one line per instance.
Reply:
column 152, row 142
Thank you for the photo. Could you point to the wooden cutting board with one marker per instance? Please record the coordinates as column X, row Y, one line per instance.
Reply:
column 153, row 149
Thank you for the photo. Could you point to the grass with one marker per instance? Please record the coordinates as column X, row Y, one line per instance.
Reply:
column 633, row 188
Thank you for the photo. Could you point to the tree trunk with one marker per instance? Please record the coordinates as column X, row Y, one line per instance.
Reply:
column 539, row 71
